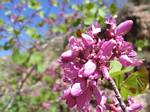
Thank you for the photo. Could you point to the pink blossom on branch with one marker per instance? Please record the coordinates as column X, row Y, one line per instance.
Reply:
column 88, row 60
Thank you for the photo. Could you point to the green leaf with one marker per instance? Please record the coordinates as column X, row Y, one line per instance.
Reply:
column 54, row 3
column 93, row 11
column 131, row 80
column 23, row 1
column 59, row 28
column 1, row 22
column 41, row 14
column 41, row 67
column 34, row 4
column 36, row 58
column 40, row 24
column 10, row 29
column 88, row 21
column 89, row 6
column 127, row 69
column 137, row 82
column 115, row 66
column 101, row 20
column 113, row 9
column 21, row 18
column 32, row 32
column 53, row 16
column 75, row 7
column 18, row 57
column 140, row 44
column 121, row 72
column 6, row 46
column 99, row 2
column 102, row 12
column 4, row 1
column 55, row 29
column 125, row 92
column 76, row 22
column 48, row 79
column 16, row 32
column 118, row 80
column 53, row 108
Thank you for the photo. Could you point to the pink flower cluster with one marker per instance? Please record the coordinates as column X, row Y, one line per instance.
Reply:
column 88, row 59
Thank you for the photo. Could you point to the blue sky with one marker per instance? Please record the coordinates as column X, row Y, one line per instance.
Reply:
column 48, row 9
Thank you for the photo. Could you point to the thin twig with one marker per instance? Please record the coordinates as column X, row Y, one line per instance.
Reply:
column 12, row 100
column 24, row 80
column 118, row 96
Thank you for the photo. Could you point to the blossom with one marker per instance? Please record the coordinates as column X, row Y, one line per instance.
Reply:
column 78, row 87
column 78, row 100
column 133, row 106
column 101, row 101
column 87, row 39
column 68, row 55
column 89, row 68
column 88, row 60
column 107, row 48
column 124, row 27
column 94, row 29
column 105, row 72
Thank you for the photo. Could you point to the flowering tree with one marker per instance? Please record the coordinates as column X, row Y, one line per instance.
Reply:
column 26, row 30
column 35, row 35
column 87, row 64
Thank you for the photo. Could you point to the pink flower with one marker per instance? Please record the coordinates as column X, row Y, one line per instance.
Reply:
column 134, row 107
column 70, row 100
column 87, row 39
column 124, row 27
column 78, row 87
column 107, row 48
column 89, row 68
column 69, row 55
column 75, row 44
column 105, row 72
column 125, row 60
column 70, row 70
column 94, row 29
column 111, row 21
column 81, row 100
column 84, row 98
column 100, row 99
column 88, row 60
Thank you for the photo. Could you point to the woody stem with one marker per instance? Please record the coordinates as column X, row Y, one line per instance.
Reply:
column 118, row 96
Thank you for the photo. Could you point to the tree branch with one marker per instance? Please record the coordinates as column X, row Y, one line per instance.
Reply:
column 24, row 80
column 12, row 100
column 118, row 96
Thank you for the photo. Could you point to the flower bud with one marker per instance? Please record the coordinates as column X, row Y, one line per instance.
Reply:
column 124, row 27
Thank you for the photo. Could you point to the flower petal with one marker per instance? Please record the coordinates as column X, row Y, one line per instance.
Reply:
column 78, row 87
column 89, row 68
column 97, row 95
column 84, row 98
column 125, row 60
column 71, row 101
column 107, row 47
column 124, row 27
column 105, row 72
column 88, row 40
column 95, row 30
column 68, row 55
column 66, row 93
